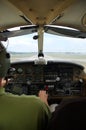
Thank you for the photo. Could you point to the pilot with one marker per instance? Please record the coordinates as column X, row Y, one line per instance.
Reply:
column 20, row 112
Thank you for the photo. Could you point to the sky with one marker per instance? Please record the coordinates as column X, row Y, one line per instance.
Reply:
column 52, row 43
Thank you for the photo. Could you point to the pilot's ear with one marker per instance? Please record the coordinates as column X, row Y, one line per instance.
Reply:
column 0, row 81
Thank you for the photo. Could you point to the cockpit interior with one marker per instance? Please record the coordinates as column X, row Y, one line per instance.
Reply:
column 59, row 79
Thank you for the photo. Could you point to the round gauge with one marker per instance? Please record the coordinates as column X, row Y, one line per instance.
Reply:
column 57, row 78
column 19, row 70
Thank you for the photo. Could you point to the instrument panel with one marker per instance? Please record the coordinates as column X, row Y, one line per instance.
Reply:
column 59, row 79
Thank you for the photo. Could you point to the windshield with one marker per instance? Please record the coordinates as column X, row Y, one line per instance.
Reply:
column 52, row 43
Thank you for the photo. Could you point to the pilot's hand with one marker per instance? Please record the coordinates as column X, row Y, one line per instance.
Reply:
column 43, row 96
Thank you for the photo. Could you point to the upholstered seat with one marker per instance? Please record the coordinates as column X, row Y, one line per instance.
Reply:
column 69, row 115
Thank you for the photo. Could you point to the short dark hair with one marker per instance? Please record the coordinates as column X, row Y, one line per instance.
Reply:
column 4, row 61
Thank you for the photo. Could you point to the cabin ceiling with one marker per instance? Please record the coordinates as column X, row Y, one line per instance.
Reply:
column 69, row 13
column 41, row 11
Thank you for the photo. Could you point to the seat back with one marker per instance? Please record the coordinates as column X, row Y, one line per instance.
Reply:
column 69, row 115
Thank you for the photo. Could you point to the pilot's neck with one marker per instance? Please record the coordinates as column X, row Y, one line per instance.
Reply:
column 2, row 90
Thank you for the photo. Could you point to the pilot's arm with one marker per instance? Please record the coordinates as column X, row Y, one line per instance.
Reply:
column 43, row 96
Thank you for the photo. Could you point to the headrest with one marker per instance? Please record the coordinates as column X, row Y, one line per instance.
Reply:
column 4, row 61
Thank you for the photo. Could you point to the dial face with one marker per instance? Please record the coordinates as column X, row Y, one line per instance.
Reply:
column 19, row 70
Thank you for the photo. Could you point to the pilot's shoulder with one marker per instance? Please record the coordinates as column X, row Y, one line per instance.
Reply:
column 23, row 97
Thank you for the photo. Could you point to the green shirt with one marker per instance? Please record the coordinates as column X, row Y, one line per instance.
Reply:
column 22, row 112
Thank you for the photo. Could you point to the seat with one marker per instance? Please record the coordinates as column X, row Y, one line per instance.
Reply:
column 69, row 115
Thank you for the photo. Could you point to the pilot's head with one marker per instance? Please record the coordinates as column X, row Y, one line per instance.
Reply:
column 4, row 61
